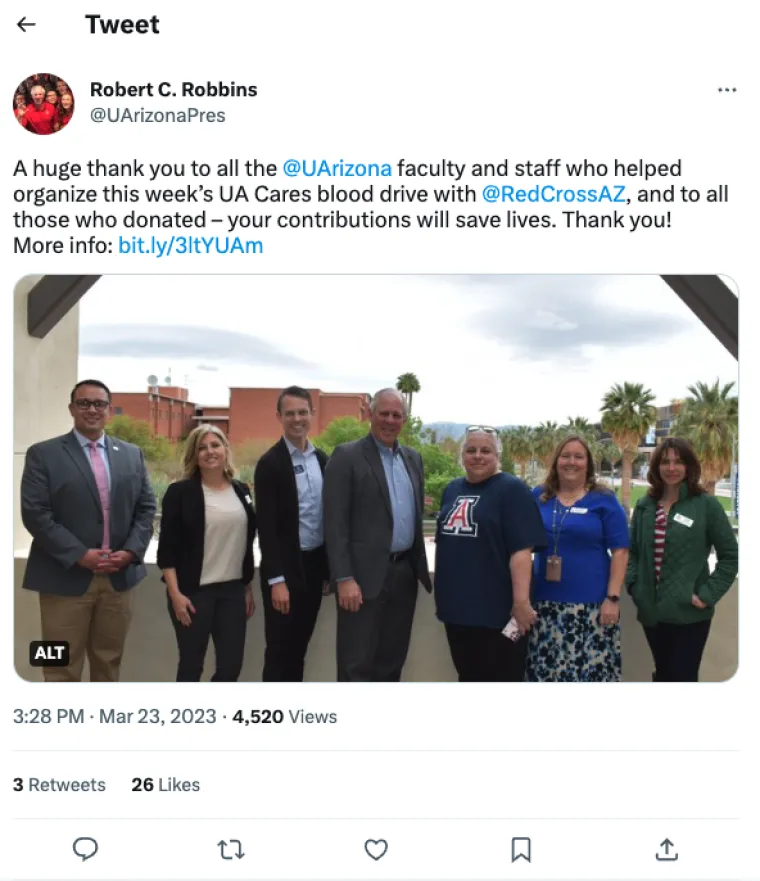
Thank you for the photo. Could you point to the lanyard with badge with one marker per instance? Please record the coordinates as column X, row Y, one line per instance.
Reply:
column 554, row 561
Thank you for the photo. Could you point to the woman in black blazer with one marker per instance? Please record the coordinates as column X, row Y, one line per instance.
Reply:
column 205, row 550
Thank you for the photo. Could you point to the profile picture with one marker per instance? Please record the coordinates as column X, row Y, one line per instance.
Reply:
column 43, row 103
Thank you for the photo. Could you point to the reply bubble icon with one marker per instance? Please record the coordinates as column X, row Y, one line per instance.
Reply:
column 86, row 848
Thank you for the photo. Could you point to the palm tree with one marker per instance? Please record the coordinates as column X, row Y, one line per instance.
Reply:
column 408, row 385
column 429, row 435
column 582, row 427
column 547, row 437
column 607, row 451
column 709, row 420
column 518, row 442
column 627, row 413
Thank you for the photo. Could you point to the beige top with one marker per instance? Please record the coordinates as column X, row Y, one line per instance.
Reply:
column 224, row 537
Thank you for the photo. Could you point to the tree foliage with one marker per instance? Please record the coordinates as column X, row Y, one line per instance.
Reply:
column 709, row 420
column 340, row 431
column 547, row 436
column 628, row 414
column 440, row 462
column 138, row 432
column 408, row 385
column 518, row 445
column 582, row 427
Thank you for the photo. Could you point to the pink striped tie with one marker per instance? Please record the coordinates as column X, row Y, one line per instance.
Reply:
column 101, row 480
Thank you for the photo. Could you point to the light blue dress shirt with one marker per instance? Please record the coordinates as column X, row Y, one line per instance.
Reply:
column 401, row 491
column 101, row 443
column 309, row 482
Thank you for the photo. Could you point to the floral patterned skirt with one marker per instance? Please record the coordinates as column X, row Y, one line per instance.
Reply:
column 568, row 644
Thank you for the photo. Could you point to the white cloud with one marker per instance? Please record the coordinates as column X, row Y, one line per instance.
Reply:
column 495, row 349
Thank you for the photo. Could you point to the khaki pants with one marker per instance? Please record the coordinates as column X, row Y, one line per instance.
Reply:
column 95, row 623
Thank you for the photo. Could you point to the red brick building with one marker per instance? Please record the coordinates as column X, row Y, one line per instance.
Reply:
column 249, row 416
column 164, row 407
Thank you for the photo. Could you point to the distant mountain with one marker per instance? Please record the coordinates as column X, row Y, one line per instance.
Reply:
column 453, row 430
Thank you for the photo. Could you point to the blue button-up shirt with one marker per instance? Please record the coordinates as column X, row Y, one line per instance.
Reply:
column 401, row 491
column 101, row 444
column 309, row 482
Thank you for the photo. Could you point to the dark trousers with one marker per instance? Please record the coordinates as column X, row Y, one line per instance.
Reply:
column 219, row 614
column 373, row 642
column 483, row 654
column 288, row 636
column 677, row 650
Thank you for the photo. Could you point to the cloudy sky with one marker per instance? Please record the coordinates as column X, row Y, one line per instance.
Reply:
column 492, row 349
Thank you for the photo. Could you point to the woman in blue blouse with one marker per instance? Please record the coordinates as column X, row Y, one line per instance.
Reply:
column 578, row 579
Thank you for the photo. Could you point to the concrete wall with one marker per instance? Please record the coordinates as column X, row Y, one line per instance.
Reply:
column 151, row 653
column 44, row 372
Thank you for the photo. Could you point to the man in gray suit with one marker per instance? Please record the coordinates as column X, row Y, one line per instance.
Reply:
column 373, row 498
column 87, row 501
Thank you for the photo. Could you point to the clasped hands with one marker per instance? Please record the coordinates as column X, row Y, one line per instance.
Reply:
column 104, row 561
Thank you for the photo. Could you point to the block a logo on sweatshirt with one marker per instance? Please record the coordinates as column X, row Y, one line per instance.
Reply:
column 459, row 520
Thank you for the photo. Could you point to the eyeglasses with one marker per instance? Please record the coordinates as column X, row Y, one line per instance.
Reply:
column 86, row 403
column 486, row 429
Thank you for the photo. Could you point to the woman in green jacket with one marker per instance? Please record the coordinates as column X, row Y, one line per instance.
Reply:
column 674, row 528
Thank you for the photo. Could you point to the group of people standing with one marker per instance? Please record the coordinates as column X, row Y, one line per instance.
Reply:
column 353, row 521
column 528, row 583
column 43, row 104
column 549, row 567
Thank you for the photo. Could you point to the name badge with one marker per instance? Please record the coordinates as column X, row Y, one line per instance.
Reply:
column 684, row 521
column 298, row 469
column 579, row 510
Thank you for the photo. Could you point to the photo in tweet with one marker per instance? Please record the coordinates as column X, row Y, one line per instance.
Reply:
column 255, row 479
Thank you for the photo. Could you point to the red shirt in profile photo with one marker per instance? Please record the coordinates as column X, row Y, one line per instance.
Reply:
column 39, row 119
column 38, row 116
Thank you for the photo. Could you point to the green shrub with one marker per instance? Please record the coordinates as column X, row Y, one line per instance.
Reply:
column 139, row 432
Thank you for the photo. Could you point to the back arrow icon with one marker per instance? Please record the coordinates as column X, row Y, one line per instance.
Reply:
column 24, row 24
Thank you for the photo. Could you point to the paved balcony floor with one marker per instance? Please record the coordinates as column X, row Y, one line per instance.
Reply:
column 151, row 652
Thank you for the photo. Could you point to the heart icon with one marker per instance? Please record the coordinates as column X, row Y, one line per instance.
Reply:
column 376, row 848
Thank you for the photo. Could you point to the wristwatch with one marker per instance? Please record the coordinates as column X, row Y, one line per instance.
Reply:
column 612, row 598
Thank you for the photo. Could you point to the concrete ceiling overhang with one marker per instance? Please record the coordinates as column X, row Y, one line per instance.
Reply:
column 713, row 302
column 51, row 298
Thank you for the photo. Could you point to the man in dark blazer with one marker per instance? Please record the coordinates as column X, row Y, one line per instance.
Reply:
column 373, row 500
column 87, row 501
column 288, row 491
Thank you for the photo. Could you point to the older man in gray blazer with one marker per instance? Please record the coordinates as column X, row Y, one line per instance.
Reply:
column 373, row 498
column 87, row 501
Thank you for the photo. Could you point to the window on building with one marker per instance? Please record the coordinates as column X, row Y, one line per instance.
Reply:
column 117, row 411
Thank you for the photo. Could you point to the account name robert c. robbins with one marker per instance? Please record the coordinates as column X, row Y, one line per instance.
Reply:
column 170, row 90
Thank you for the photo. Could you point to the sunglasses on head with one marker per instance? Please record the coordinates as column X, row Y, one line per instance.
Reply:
column 487, row 429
